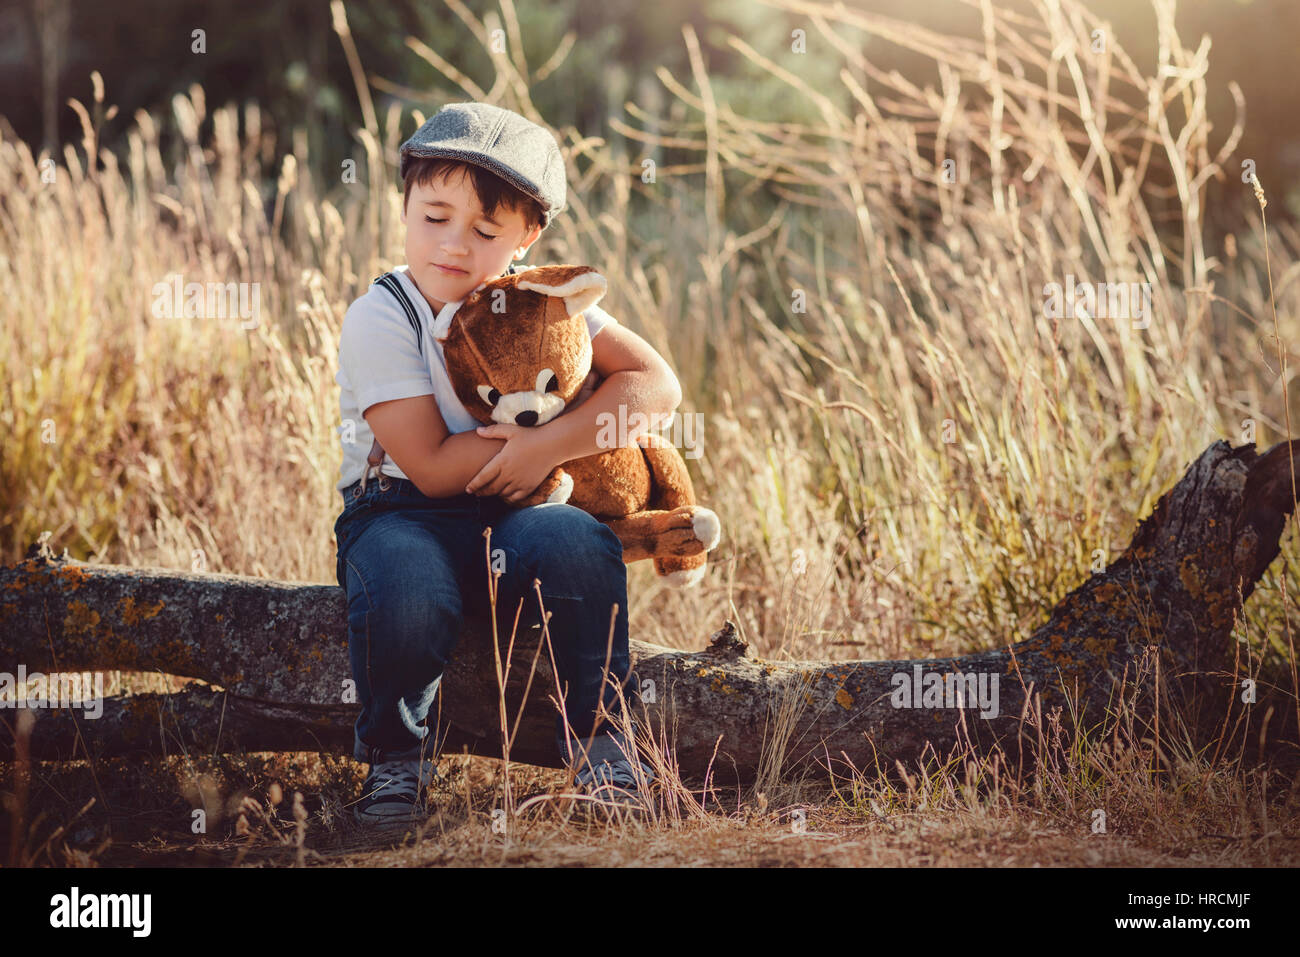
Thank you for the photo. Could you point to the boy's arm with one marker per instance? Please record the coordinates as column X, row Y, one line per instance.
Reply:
column 381, row 362
column 414, row 435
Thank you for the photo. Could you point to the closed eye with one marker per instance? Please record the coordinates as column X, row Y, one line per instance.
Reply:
column 430, row 219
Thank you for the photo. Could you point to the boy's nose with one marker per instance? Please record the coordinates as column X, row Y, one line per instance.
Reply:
column 527, row 417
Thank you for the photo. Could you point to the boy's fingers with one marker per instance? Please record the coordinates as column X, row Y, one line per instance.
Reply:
column 478, row 483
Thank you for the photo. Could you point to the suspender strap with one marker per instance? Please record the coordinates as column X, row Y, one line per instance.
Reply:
column 375, row 459
column 394, row 285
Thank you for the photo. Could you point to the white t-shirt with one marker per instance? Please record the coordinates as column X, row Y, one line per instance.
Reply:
column 380, row 360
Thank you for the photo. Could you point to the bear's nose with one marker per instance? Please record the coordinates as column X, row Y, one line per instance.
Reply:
column 527, row 417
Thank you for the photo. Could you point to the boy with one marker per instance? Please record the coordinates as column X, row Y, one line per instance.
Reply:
column 480, row 185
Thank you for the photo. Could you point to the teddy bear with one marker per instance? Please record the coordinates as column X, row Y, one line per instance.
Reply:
column 517, row 351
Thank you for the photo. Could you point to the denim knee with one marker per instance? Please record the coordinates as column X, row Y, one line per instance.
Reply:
column 406, row 616
column 563, row 542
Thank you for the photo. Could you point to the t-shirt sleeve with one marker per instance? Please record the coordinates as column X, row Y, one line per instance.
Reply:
column 597, row 319
column 379, row 356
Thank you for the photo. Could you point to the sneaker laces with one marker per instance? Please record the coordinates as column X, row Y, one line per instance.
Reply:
column 608, row 760
column 400, row 779
column 617, row 773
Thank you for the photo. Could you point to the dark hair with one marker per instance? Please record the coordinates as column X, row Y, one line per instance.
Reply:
column 492, row 190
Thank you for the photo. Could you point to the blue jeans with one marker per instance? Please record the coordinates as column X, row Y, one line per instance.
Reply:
column 412, row 566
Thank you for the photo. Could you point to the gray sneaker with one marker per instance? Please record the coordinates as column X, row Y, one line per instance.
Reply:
column 607, row 773
column 395, row 793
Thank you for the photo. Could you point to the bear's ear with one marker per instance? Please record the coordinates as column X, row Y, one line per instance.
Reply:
column 469, row 309
column 578, row 286
column 442, row 321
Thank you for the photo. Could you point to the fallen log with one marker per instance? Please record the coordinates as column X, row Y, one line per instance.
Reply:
column 272, row 657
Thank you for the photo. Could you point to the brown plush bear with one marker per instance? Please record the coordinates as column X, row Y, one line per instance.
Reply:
column 517, row 352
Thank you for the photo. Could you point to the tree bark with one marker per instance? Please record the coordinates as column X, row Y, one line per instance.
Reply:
column 274, row 658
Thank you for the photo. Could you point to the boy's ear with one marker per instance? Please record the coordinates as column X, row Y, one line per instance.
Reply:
column 528, row 240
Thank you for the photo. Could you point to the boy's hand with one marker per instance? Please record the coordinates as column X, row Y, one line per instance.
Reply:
column 521, row 465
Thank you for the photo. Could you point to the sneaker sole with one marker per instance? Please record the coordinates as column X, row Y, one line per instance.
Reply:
column 388, row 821
column 609, row 802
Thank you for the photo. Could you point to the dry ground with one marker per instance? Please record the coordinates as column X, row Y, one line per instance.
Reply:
column 152, row 813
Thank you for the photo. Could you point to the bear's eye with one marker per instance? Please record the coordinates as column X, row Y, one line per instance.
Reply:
column 547, row 381
column 489, row 395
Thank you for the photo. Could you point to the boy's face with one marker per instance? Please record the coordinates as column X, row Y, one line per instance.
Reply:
column 462, row 237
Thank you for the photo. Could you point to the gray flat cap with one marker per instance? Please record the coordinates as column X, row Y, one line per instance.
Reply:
column 499, row 140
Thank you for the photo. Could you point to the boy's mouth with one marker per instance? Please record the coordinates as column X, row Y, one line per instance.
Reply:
column 450, row 270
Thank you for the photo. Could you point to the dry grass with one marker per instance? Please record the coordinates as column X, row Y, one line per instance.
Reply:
column 909, row 458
